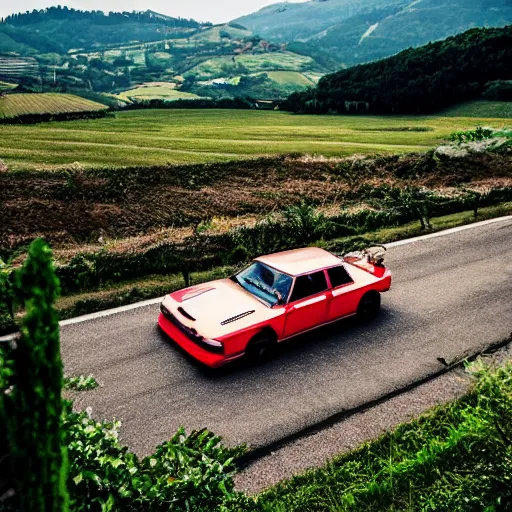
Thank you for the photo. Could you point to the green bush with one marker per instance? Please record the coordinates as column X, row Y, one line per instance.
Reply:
column 64, row 116
column 183, row 474
column 477, row 134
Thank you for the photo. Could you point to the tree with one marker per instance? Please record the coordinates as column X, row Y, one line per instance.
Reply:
column 410, row 202
column 34, row 404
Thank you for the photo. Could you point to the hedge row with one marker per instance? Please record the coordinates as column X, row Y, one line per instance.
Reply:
column 227, row 103
column 62, row 116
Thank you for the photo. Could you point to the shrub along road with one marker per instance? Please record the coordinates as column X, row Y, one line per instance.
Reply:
column 450, row 298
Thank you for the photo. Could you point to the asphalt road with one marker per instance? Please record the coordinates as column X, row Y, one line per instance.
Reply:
column 451, row 296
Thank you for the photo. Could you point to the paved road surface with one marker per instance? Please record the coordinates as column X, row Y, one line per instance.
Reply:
column 451, row 296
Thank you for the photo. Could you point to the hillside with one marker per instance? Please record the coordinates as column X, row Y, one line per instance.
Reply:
column 59, row 29
column 420, row 80
column 354, row 32
column 62, row 49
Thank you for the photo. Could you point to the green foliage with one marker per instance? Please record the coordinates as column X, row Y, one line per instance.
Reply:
column 6, row 293
column 419, row 80
column 65, row 116
column 185, row 473
column 33, row 406
column 479, row 133
column 81, row 383
column 499, row 90
column 456, row 457
column 410, row 201
column 306, row 224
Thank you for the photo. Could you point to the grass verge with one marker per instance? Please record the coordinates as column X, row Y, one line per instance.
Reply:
column 148, row 287
column 455, row 457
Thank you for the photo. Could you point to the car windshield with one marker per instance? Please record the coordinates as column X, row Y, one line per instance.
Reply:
column 266, row 283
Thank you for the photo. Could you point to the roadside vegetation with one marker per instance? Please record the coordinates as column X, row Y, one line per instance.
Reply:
column 80, row 383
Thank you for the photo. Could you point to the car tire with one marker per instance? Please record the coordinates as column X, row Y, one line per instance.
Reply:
column 369, row 307
column 260, row 349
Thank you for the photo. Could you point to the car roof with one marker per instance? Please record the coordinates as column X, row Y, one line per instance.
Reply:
column 300, row 261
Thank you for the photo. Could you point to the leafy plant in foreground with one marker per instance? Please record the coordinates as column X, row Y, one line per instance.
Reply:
column 33, row 405
column 183, row 474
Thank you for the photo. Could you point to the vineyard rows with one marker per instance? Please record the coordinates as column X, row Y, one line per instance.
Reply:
column 13, row 105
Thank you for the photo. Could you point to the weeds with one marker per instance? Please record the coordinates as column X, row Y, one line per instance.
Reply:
column 80, row 383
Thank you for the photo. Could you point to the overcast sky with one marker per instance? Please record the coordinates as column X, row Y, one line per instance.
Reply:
column 201, row 10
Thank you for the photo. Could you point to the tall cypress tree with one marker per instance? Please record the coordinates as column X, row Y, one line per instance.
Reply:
column 35, row 429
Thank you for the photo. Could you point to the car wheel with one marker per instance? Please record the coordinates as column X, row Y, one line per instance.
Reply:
column 369, row 307
column 260, row 349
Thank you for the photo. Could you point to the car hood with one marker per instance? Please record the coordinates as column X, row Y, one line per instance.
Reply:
column 218, row 308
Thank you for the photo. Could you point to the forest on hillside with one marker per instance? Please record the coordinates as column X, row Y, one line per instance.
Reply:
column 58, row 29
column 415, row 81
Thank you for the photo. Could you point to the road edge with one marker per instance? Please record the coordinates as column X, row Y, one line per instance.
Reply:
column 256, row 453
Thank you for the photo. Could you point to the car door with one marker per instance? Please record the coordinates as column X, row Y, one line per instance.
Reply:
column 308, row 303
column 343, row 293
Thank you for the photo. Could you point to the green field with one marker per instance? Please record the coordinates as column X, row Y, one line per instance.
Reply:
column 157, row 91
column 480, row 108
column 13, row 105
column 276, row 61
column 156, row 137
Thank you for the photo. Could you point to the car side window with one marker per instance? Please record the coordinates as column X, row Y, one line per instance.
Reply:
column 308, row 285
column 339, row 276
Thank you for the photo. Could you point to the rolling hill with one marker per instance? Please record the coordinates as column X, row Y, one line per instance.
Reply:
column 126, row 54
column 358, row 31
column 417, row 80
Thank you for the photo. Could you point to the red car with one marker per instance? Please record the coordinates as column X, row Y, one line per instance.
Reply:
column 275, row 298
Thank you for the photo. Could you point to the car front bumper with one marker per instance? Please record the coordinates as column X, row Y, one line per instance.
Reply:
column 206, row 357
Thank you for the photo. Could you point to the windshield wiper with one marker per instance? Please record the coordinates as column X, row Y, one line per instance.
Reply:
column 263, row 287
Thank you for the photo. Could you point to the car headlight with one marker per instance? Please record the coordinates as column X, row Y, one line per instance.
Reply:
column 213, row 343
